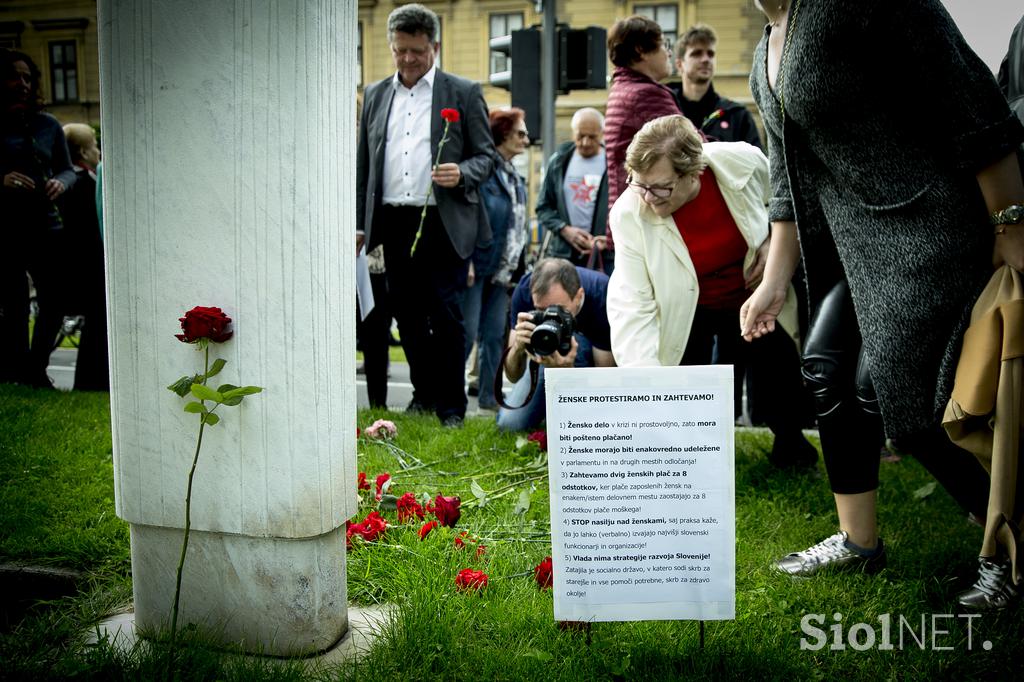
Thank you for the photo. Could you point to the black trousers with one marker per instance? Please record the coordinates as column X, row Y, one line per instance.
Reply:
column 849, row 419
column 41, row 254
column 774, row 355
column 374, row 334
column 425, row 292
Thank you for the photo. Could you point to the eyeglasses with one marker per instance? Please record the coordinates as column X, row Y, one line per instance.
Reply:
column 523, row 134
column 657, row 191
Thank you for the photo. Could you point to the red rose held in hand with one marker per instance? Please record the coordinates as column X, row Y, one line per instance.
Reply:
column 542, row 573
column 450, row 115
column 446, row 509
column 205, row 323
column 470, row 579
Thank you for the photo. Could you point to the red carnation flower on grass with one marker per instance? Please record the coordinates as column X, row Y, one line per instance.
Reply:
column 450, row 115
column 543, row 575
column 363, row 485
column 381, row 480
column 369, row 529
column 460, row 540
column 426, row 528
column 408, row 508
column 205, row 323
column 540, row 438
column 470, row 579
column 446, row 509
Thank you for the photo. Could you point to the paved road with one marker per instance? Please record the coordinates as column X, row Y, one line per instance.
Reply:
column 62, row 371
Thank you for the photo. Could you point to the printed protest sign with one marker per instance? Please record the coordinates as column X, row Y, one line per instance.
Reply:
column 642, row 477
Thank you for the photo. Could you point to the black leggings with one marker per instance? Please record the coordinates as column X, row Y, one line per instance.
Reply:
column 849, row 419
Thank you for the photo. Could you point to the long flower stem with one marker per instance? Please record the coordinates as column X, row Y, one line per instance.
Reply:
column 188, row 519
column 430, row 190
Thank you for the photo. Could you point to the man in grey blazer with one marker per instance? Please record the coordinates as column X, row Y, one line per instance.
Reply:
column 399, row 133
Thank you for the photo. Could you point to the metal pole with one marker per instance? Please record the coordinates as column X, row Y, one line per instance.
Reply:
column 548, row 61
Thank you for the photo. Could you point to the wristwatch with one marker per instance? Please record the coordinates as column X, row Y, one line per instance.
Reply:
column 1011, row 215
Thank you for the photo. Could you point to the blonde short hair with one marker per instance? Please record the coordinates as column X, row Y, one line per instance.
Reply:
column 81, row 142
column 669, row 137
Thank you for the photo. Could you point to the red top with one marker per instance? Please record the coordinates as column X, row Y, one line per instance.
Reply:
column 715, row 244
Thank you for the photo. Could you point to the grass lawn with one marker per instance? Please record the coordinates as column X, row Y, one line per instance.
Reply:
column 56, row 494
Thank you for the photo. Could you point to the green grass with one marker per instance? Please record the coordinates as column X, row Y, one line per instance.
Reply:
column 396, row 353
column 506, row 631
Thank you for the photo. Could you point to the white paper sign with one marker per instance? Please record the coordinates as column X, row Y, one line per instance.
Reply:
column 642, row 477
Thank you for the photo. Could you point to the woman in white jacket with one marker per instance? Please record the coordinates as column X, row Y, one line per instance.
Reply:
column 690, row 240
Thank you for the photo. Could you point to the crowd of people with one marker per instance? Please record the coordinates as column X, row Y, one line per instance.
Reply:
column 51, row 234
column 673, row 236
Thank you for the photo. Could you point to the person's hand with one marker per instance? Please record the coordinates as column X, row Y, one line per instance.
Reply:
column 360, row 238
column 16, row 180
column 1009, row 248
column 54, row 188
column 752, row 276
column 470, row 275
column 446, row 175
column 579, row 239
column 556, row 359
column 759, row 312
column 523, row 331
column 600, row 243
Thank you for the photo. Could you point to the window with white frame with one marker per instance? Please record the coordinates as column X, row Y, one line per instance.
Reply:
column 502, row 25
column 667, row 16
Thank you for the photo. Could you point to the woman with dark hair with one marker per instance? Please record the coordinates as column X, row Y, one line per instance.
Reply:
column 900, row 221
column 493, row 269
column 641, row 59
column 36, row 169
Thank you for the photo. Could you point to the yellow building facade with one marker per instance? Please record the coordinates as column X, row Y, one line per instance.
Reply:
column 61, row 38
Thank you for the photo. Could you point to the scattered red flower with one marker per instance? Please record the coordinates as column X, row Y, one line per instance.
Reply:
column 450, row 115
column 446, row 509
column 363, row 485
column 540, row 438
column 470, row 579
column 426, row 528
column 408, row 508
column 480, row 549
column 542, row 574
column 381, row 480
column 460, row 541
column 205, row 323
column 369, row 529
column 357, row 432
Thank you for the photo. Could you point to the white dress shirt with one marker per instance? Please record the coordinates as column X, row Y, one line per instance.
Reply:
column 407, row 157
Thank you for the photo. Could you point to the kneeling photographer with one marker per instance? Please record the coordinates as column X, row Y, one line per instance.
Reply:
column 558, row 319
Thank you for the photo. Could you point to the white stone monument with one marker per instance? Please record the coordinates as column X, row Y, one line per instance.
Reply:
column 229, row 137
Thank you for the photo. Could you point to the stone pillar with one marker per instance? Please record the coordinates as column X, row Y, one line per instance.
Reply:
column 229, row 157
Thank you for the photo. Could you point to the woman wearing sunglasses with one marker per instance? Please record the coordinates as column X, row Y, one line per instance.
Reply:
column 691, row 239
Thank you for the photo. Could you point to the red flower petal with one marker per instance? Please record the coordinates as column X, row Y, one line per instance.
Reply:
column 450, row 115
column 470, row 579
column 542, row 573
column 426, row 528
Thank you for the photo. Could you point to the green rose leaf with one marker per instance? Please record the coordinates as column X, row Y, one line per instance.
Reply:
column 210, row 418
column 218, row 365
column 478, row 492
column 523, row 505
column 924, row 491
column 195, row 408
column 206, row 393
column 243, row 391
column 183, row 385
column 388, row 503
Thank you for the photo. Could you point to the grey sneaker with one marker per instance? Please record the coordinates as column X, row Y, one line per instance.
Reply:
column 831, row 553
column 994, row 588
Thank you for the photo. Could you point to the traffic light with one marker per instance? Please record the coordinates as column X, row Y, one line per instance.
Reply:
column 582, row 64
column 522, row 80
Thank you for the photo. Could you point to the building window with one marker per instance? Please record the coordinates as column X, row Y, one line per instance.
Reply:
column 667, row 17
column 502, row 25
column 64, row 71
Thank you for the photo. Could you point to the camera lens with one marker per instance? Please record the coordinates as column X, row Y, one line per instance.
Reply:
column 545, row 338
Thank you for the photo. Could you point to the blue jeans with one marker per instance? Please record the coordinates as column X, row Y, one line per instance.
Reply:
column 485, row 311
column 530, row 416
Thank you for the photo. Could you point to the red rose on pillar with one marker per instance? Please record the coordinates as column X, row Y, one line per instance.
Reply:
column 446, row 509
column 469, row 579
column 450, row 115
column 205, row 323
column 543, row 575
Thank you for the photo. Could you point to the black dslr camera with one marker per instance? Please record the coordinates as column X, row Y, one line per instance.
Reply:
column 555, row 327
